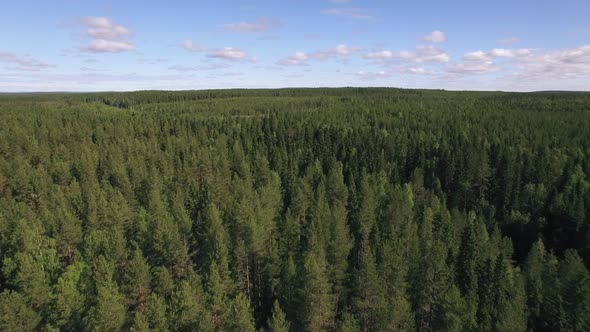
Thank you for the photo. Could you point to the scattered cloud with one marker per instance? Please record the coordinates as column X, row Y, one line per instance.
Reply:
column 297, row 59
column 422, row 54
column 108, row 46
column 301, row 58
column 476, row 56
column 435, row 36
column 483, row 62
column 425, row 54
column 418, row 71
column 339, row 50
column 381, row 55
column 231, row 53
column 212, row 66
column 370, row 76
column 473, row 67
column 106, row 36
column 354, row 13
column 501, row 52
column 496, row 53
column 262, row 24
column 23, row 63
column 572, row 63
column 192, row 47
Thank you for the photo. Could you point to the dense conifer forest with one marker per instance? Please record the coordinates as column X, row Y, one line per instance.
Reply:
column 295, row 210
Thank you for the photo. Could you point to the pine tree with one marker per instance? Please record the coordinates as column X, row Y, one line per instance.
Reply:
column 533, row 272
column 217, row 290
column 108, row 312
column 140, row 323
column 16, row 313
column 137, row 280
column 369, row 302
column 431, row 276
column 575, row 292
column 69, row 297
column 240, row 315
column 348, row 323
column 453, row 312
column 278, row 322
column 157, row 313
column 338, row 247
column 552, row 305
column 188, row 309
column 510, row 298
column 468, row 265
column 317, row 301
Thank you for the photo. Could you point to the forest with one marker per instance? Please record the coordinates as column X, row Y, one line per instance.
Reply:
column 345, row 209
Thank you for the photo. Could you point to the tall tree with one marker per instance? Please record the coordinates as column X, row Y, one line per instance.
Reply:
column 278, row 322
column 317, row 301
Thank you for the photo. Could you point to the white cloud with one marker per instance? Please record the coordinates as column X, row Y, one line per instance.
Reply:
column 369, row 76
column 339, row 50
column 496, row 53
column 422, row 54
column 262, row 24
column 572, row 63
column 301, row 58
column 104, row 28
column 381, row 55
column 211, row 66
column 23, row 63
column 297, row 59
column 231, row 53
column 107, row 36
column 345, row 49
column 418, row 70
column 480, row 62
column 430, row 54
column 502, row 52
column 473, row 67
column 111, row 46
column 435, row 36
column 190, row 46
column 355, row 13
column 476, row 56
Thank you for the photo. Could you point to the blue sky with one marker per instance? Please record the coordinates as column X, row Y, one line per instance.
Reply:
column 69, row 45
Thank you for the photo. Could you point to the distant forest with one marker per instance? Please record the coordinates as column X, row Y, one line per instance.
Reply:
column 352, row 209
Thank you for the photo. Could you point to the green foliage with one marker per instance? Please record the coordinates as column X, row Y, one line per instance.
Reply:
column 16, row 314
column 355, row 209
column 318, row 305
column 278, row 322
column 575, row 293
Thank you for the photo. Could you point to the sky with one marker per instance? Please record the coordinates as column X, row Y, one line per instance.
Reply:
column 124, row 45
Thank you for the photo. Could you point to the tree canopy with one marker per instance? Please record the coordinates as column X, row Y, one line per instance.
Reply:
column 352, row 209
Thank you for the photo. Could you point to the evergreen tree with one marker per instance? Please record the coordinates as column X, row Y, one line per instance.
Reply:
column 240, row 319
column 278, row 321
column 575, row 293
column 16, row 313
column 370, row 302
column 318, row 307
